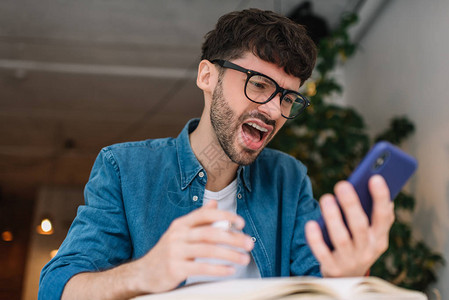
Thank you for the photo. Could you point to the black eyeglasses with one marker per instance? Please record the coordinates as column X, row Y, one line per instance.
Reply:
column 260, row 88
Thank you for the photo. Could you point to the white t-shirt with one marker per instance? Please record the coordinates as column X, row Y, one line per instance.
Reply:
column 226, row 199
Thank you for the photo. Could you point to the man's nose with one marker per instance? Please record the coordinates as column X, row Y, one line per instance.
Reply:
column 272, row 108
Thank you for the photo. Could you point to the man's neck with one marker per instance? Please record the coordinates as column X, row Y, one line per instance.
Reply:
column 221, row 171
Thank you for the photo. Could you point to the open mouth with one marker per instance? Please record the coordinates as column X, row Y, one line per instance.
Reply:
column 254, row 134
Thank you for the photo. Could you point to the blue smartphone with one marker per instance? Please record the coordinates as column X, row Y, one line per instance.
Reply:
column 384, row 159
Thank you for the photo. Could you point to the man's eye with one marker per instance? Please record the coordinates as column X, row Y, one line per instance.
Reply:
column 258, row 84
column 288, row 100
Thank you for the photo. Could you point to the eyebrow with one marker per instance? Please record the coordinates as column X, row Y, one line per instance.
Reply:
column 286, row 88
column 268, row 80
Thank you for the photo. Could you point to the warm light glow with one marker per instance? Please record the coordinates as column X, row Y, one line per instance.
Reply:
column 7, row 236
column 311, row 88
column 45, row 228
column 46, row 225
column 53, row 253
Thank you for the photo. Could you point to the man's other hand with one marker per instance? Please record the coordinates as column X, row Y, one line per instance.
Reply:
column 172, row 260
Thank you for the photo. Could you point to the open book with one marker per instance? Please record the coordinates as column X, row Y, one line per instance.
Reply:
column 291, row 288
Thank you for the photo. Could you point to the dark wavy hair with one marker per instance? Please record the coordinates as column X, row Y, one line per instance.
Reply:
column 268, row 35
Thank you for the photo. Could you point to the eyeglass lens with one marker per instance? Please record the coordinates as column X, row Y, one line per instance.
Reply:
column 259, row 89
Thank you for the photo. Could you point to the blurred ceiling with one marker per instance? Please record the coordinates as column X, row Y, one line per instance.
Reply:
column 79, row 75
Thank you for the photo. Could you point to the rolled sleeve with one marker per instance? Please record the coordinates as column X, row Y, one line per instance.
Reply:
column 55, row 276
column 98, row 238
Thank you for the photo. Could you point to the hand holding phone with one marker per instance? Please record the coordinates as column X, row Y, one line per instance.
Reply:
column 393, row 164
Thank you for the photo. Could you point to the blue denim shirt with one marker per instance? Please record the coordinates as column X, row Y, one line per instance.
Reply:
column 137, row 189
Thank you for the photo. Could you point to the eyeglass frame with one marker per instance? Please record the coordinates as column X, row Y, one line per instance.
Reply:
column 250, row 73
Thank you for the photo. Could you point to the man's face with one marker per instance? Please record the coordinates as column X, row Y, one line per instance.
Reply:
column 243, row 128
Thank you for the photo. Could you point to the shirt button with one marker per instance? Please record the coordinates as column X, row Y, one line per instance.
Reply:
column 239, row 196
column 253, row 239
column 201, row 174
column 195, row 198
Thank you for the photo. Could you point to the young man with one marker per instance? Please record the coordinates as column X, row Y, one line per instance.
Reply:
column 154, row 208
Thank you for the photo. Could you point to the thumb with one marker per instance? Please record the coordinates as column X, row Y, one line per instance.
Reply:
column 212, row 204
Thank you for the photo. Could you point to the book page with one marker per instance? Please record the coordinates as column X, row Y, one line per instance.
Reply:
column 247, row 289
column 368, row 288
column 376, row 288
column 360, row 288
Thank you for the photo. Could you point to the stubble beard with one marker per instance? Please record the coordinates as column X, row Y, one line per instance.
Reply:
column 227, row 127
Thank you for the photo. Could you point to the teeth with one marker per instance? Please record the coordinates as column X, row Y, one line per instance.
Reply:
column 257, row 127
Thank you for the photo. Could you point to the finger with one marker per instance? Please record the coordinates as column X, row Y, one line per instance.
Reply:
column 356, row 217
column 319, row 248
column 194, row 251
column 383, row 209
column 209, row 234
column 212, row 204
column 192, row 268
column 207, row 215
column 338, row 233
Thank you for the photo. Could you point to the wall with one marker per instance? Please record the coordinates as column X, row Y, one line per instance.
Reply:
column 402, row 68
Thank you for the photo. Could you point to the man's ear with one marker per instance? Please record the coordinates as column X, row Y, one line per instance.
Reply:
column 207, row 76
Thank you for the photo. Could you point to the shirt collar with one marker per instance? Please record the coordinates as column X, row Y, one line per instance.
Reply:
column 244, row 172
column 189, row 166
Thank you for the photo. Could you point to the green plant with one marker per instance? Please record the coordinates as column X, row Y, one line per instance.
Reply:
column 331, row 140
